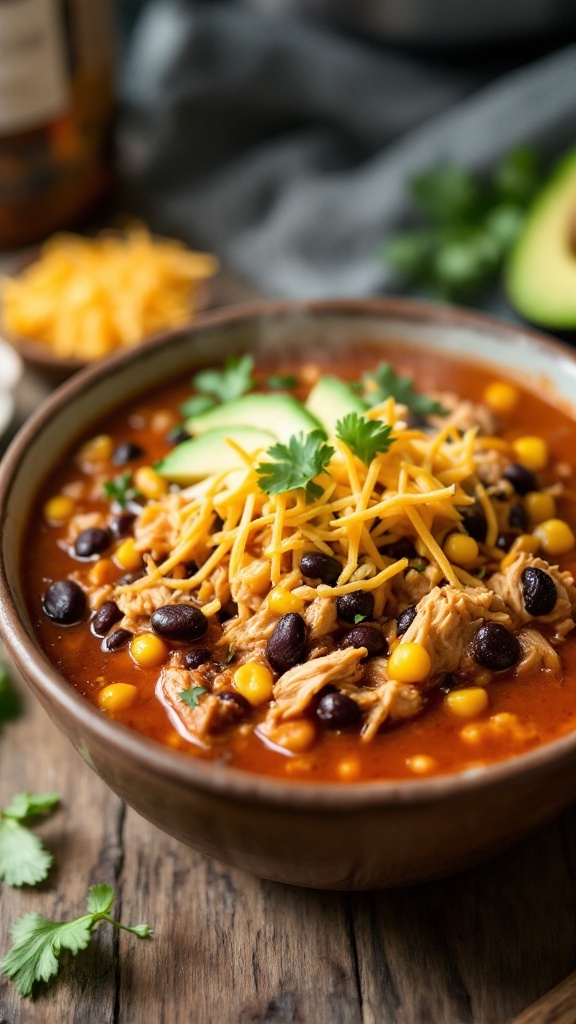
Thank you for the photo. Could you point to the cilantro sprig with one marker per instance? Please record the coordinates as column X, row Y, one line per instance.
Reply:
column 365, row 438
column 295, row 465
column 23, row 858
column 464, row 224
column 121, row 489
column 224, row 385
column 384, row 382
column 281, row 381
column 192, row 696
column 38, row 943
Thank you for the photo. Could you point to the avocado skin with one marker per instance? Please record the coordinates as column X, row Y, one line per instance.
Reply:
column 540, row 276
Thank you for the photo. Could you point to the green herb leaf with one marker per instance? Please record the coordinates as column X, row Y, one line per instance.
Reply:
column 121, row 489
column 197, row 405
column 365, row 438
column 192, row 696
column 233, row 381
column 10, row 703
column 385, row 383
column 359, row 618
column 281, row 381
column 447, row 193
column 295, row 465
column 23, row 858
column 517, row 177
column 38, row 942
column 231, row 654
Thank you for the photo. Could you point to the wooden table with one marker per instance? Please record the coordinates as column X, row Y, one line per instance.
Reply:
column 231, row 949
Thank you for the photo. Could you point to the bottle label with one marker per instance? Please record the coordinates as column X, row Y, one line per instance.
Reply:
column 34, row 83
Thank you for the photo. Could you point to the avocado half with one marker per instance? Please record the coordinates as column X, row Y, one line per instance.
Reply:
column 541, row 269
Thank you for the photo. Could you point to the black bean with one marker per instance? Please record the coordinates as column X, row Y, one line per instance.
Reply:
column 180, row 622
column 92, row 542
column 505, row 540
column 405, row 619
column 237, row 707
column 121, row 525
column 518, row 518
column 359, row 602
column 114, row 641
column 64, row 602
column 177, row 435
column 402, row 548
column 287, row 645
column 474, row 522
column 521, row 478
column 107, row 616
column 417, row 421
column 365, row 636
column 126, row 453
column 193, row 659
column 318, row 566
column 539, row 592
column 450, row 682
column 130, row 577
column 337, row 711
column 495, row 647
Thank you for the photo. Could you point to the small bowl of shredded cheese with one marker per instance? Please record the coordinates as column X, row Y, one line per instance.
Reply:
column 81, row 299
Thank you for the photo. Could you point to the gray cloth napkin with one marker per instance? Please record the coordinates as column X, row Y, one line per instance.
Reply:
column 286, row 148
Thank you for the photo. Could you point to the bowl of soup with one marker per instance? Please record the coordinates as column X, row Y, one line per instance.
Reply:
column 297, row 582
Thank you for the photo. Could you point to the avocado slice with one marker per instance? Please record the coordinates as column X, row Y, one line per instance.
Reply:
column 330, row 399
column 541, row 270
column 209, row 453
column 283, row 415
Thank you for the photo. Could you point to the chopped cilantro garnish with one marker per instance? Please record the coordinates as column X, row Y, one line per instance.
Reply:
column 23, row 858
column 365, row 438
column 197, row 405
column 233, row 381
column 121, row 489
column 39, row 942
column 192, row 696
column 358, row 618
column 295, row 465
column 385, row 383
column 281, row 381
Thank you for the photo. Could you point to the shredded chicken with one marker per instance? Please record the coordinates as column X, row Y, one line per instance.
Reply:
column 138, row 606
column 198, row 722
column 320, row 617
column 508, row 586
column 410, row 587
column 84, row 521
column 296, row 688
column 251, row 584
column 464, row 414
column 385, row 699
column 446, row 620
column 537, row 653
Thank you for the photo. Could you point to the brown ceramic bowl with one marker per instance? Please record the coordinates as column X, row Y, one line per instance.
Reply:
column 331, row 836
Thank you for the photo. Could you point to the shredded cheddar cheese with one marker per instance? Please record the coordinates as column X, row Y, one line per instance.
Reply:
column 83, row 298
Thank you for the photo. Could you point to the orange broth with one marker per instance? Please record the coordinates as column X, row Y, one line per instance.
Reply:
column 539, row 701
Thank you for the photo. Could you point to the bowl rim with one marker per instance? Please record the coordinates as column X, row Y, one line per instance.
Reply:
column 213, row 776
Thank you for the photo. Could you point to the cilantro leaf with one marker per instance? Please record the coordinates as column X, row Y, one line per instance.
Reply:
column 365, row 438
column 23, row 858
column 121, row 489
column 10, row 704
column 38, row 942
column 295, row 465
column 281, row 381
column 385, row 383
column 197, row 405
column 358, row 618
column 233, row 381
column 192, row 696
column 446, row 193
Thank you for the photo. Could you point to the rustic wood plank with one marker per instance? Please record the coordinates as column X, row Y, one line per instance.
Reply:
column 556, row 1007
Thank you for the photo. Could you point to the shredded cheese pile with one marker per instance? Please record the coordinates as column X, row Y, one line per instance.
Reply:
column 83, row 298
column 414, row 490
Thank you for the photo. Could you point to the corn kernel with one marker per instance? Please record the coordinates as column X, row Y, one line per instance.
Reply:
column 526, row 542
column 97, row 449
column 409, row 663
column 555, row 536
column 148, row 650
column 103, row 571
column 421, row 764
column 282, row 601
column 348, row 769
column 461, row 549
column 501, row 397
column 467, row 703
column 162, row 421
column 127, row 556
column 540, row 506
column 150, row 483
column 117, row 697
column 58, row 509
column 297, row 735
column 531, row 452
column 254, row 681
